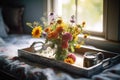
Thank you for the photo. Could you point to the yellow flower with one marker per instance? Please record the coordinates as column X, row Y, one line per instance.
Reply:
column 36, row 32
column 86, row 35
column 59, row 21
column 75, row 37
column 78, row 46
column 83, row 24
column 69, row 61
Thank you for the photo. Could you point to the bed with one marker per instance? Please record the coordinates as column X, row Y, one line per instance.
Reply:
column 25, row 70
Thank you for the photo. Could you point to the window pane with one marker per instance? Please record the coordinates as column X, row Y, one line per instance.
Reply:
column 68, row 9
column 90, row 11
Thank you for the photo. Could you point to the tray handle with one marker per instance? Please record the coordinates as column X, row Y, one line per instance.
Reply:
column 110, row 62
column 32, row 46
column 107, row 63
column 44, row 46
column 34, row 43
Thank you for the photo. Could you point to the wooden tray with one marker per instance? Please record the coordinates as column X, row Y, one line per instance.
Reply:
column 110, row 59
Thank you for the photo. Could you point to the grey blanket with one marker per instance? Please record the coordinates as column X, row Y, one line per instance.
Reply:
column 112, row 73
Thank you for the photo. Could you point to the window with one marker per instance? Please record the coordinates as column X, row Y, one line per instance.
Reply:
column 101, row 20
column 110, row 20
column 90, row 11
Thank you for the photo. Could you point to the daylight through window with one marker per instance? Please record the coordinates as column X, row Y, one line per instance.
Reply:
column 90, row 11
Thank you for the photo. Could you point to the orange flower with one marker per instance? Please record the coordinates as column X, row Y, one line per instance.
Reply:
column 69, row 61
column 59, row 29
column 36, row 32
column 52, row 35
column 48, row 29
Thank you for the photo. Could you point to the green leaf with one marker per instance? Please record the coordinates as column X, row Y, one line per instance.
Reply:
column 72, row 48
column 54, row 26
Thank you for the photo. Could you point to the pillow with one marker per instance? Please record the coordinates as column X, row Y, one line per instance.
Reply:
column 3, row 32
column 13, row 18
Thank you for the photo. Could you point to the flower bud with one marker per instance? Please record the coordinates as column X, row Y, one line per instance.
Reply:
column 71, row 55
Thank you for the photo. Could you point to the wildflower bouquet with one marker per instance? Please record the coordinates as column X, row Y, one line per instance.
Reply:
column 62, row 36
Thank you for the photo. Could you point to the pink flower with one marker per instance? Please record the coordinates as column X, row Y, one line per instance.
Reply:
column 71, row 55
column 72, row 20
column 67, row 37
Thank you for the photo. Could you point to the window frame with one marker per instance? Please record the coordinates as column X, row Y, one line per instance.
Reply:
column 112, row 20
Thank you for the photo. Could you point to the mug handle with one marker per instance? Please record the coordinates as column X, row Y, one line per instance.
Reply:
column 100, row 57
